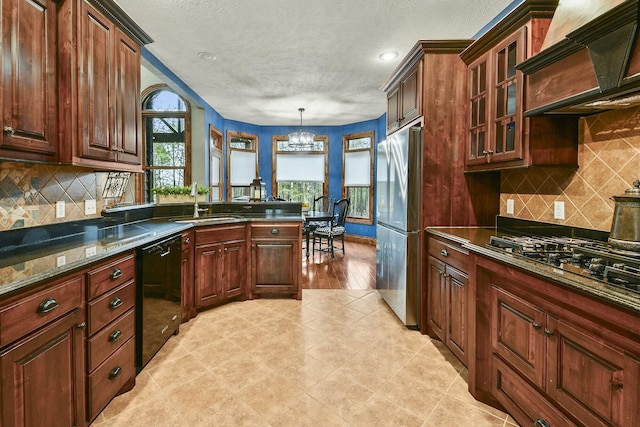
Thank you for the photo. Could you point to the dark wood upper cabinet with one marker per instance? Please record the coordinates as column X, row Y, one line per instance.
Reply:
column 99, row 86
column 29, row 80
column 499, row 134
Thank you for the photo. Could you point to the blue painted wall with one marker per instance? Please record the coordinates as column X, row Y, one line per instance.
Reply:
column 265, row 134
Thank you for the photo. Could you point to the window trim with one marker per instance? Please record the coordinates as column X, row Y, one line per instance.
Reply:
column 245, row 135
column 215, row 150
column 275, row 152
column 145, row 114
column 345, row 149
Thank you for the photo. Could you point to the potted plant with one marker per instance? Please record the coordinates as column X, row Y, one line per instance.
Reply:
column 178, row 194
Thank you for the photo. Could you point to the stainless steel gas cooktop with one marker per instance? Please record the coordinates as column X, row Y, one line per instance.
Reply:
column 586, row 257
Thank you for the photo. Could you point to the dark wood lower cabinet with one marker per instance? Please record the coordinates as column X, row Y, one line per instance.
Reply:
column 276, row 256
column 220, row 264
column 447, row 300
column 43, row 376
column 554, row 355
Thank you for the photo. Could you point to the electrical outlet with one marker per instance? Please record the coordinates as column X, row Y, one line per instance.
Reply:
column 60, row 212
column 558, row 210
column 90, row 207
column 90, row 251
column 61, row 260
column 510, row 206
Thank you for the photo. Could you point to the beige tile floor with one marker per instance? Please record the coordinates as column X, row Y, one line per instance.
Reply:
column 336, row 358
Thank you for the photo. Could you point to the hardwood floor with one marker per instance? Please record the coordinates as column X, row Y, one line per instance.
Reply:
column 355, row 270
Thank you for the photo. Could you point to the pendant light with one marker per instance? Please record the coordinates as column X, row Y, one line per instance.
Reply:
column 301, row 139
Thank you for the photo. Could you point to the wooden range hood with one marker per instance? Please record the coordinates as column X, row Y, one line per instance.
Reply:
column 590, row 60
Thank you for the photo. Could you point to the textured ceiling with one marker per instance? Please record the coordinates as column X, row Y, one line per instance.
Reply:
column 274, row 56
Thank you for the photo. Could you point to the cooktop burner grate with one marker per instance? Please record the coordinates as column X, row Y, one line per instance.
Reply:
column 591, row 258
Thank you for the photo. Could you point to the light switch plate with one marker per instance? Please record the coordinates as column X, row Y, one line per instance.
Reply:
column 558, row 210
column 90, row 207
column 510, row 206
column 60, row 209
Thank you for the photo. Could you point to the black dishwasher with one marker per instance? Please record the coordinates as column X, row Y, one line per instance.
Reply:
column 158, row 292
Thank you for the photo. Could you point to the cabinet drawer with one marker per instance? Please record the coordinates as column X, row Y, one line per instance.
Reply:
column 275, row 231
column 110, row 377
column 220, row 234
column 111, row 305
column 109, row 339
column 30, row 313
column 520, row 399
column 449, row 253
column 110, row 275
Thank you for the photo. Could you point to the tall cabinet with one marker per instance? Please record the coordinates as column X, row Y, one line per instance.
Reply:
column 432, row 88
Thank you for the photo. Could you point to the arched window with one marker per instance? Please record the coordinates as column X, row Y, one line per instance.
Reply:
column 167, row 138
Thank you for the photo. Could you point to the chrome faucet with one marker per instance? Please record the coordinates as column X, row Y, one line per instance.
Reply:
column 194, row 193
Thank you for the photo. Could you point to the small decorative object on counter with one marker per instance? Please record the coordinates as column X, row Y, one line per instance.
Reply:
column 625, row 227
column 258, row 190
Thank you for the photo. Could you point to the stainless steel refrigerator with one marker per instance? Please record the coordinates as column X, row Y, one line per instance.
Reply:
column 398, row 206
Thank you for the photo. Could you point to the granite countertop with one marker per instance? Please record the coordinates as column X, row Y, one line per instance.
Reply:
column 476, row 239
column 22, row 266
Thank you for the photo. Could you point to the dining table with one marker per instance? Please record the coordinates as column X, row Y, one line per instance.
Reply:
column 312, row 219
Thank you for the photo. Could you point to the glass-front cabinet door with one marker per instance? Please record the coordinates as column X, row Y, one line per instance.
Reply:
column 477, row 148
column 507, row 87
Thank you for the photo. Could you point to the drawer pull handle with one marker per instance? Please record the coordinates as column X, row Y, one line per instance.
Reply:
column 548, row 332
column 82, row 325
column 444, row 252
column 9, row 130
column 115, row 335
column 116, row 273
column 47, row 305
column 165, row 253
column 115, row 303
column 536, row 325
column 187, row 240
column 275, row 231
column 115, row 372
column 541, row 422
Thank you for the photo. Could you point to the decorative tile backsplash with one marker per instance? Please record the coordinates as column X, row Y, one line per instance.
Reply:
column 609, row 162
column 29, row 192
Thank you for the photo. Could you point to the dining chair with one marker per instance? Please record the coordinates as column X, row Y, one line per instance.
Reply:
column 333, row 230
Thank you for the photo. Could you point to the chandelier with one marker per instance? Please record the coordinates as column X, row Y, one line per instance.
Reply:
column 301, row 139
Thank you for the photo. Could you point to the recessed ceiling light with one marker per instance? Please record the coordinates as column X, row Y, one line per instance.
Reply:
column 388, row 56
column 207, row 55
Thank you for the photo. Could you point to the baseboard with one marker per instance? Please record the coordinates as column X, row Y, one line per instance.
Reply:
column 360, row 239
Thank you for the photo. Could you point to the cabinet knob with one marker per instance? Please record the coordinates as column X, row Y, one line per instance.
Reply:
column 275, row 231
column 541, row 422
column 82, row 325
column 115, row 372
column 115, row 274
column 115, row 303
column 444, row 252
column 536, row 325
column 187, row 240
column 115, row 335
column 47, row 305
column 445, row 275
column 9, row 130
column 548, row 332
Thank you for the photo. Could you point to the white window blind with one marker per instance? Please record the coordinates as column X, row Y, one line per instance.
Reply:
column 215, row 170
column 300, row 167
column 357, row 168
column 242, row 167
